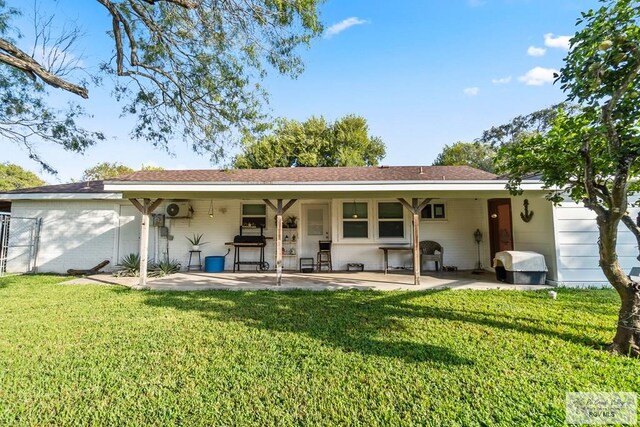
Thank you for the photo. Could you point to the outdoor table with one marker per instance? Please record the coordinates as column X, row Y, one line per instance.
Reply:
column 386, row 249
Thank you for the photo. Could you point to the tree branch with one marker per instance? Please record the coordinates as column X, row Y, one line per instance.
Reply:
column 20, row 60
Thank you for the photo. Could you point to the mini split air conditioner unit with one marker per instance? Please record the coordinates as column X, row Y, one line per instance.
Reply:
column 179, row 210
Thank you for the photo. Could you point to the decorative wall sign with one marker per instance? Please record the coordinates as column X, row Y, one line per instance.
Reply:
column 526, row 215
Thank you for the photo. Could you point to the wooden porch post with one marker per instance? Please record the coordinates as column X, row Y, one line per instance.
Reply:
column 415, row 208
column 279, row 211
column 146, row 208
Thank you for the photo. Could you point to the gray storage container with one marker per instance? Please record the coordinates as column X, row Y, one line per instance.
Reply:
column 520, row 267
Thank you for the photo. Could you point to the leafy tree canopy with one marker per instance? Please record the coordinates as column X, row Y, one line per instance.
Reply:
column 474, row 154
column 592, row 156
column 181, row 68
column 14, row 177
column 108, row 170
column 314, row 142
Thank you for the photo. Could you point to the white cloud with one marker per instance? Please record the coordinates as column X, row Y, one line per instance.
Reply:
column 561, row 42
column 343, row 25
column 536, row 51
column 471, row 91
column 501, row 80
column 538, row 76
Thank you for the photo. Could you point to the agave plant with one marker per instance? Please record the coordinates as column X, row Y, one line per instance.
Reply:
column 129, row 266
column 164, row 268
column 196, row 239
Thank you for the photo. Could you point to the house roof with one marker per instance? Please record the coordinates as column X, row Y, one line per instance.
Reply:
column 313, row 174
column 74, row 187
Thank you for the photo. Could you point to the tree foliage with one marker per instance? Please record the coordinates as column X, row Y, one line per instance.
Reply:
column 106, row 170
column 592, row 156
column 314, row 142
column 474, row 154
column 14, row 177
column 536, row 123
column 182, row 68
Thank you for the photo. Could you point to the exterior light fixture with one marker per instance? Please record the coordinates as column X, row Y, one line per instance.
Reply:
column 354, row 215
column 211, row 209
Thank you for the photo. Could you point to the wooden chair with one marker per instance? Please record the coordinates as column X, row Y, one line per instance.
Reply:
column 323, row 257
column 428, row 249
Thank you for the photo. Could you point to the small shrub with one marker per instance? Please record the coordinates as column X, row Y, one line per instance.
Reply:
column 129, row 266
column 164, row 268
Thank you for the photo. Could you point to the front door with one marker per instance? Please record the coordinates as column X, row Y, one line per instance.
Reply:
column 315, row 227
column 500, row 227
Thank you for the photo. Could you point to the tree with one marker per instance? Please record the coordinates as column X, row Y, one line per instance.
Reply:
column 14, row 177
column 536, row 123
column 346, row 142
column 108, row 170
column 181, row 67
column 474, row 154
column 592, row 156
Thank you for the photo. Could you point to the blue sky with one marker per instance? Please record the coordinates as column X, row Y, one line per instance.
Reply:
column 424, row 73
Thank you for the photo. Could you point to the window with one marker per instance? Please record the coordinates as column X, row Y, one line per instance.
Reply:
column 434, row 211
column 254, row 215
column 390, row 220
column 355, row 222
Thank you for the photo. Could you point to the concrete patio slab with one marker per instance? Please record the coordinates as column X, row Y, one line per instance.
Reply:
column 253, row 281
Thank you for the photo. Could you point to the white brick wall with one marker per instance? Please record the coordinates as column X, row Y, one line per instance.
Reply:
column 74, row 234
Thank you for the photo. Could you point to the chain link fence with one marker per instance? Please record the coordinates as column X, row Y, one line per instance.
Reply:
column 19, row 239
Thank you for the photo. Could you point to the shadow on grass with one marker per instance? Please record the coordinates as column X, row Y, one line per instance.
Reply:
column 355, row 321
column 359, row 322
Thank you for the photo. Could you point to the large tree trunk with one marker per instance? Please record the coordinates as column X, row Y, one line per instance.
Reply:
column 627, row 338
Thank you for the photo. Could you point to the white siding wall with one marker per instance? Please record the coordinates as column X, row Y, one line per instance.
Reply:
column 577, row 237
column 74, row 234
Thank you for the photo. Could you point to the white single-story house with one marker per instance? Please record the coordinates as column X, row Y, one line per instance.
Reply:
column 358, row 209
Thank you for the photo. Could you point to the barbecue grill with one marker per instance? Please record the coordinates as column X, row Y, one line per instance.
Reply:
column 241, row 241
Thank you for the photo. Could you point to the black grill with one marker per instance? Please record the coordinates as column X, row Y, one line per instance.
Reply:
column 258, row 240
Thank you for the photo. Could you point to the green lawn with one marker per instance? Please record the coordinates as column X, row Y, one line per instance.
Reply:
column 96, row 355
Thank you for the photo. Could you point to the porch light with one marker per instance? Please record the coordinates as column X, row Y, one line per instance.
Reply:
column 354, row 215
column 211, row 209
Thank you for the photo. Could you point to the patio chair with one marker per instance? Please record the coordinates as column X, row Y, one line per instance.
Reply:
column 323, row 257
column 428, row 249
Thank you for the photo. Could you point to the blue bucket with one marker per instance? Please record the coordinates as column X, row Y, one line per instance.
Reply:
column 214, row 264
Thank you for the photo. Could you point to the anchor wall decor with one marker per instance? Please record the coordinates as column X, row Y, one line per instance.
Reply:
column 526, row 215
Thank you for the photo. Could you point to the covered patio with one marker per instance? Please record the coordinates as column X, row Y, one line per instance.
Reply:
column 256, row 281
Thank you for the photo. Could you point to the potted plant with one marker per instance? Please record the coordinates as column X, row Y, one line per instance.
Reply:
column 291, row 222
column 196, row 241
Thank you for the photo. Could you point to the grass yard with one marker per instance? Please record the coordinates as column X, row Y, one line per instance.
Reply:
column 103, row 355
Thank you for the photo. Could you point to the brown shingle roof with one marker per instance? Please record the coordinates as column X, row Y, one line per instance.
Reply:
column 74, row 187
column 314, row 174
column 337, row 174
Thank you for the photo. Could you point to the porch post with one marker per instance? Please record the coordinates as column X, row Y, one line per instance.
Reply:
column 279, row 211
column 279, row 243
column 144, row 245
column 145, row 208
column 415, row 208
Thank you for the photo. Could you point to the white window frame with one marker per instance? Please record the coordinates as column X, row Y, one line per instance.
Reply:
column 265, row 216
column 342, row 220
column 372, row 221
column 403, row 218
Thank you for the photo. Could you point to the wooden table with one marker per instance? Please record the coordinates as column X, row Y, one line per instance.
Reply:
column 386, row 249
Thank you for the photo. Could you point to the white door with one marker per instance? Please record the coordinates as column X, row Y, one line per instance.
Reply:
column 129, row 233
column 315, row 227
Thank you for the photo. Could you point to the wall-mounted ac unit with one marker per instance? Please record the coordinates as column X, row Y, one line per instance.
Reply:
column 179, row 210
